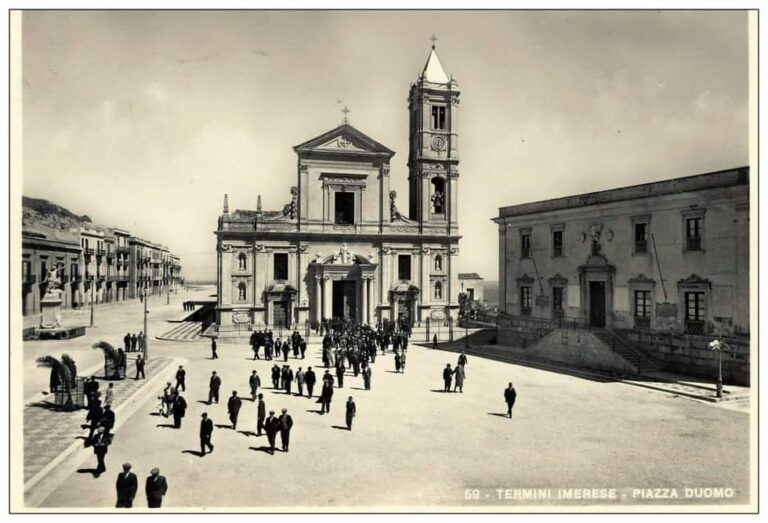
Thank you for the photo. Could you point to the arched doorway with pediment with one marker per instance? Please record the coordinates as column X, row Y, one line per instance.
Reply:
column 343, row 286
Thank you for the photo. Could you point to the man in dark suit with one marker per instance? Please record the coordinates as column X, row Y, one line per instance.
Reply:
column 286, row 423
column 155, row 488
column 214, row 356
column 447, row 377
column 181, row 376
column 206, row 430
column 510, row 396
column 351, row 411
column 271, row 427
column 139, row 367
column 287, row 379
column 126, row 485
column 309, row 379
column 100, row 444
column 213, row 388
column 261, row 414
column 179, row 408
column 255, row 382
column 95, row 412
column 134, row 342
column 127, row 342
column 233, row 408
column 107, row 419
column 434, row 342
column 462, row 359
column 340, row 372
column 367, row 377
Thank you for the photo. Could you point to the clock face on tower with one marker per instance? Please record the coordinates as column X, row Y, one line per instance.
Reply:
column 438, row 143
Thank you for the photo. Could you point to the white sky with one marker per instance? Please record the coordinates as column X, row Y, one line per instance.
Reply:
column 143, row 120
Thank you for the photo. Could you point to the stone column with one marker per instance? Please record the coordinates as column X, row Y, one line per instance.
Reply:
column 364, row 286
column 328, row 297
column 318, row 299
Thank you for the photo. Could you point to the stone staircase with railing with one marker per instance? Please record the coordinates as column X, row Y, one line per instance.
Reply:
column 625, row 349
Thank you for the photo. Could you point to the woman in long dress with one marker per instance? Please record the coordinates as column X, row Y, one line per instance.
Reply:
column 458, row 378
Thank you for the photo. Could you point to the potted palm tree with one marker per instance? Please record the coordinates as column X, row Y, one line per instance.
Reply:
column 61, row 381
column 113, row 366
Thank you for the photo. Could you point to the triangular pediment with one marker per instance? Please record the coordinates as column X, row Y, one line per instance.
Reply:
column 344, row 139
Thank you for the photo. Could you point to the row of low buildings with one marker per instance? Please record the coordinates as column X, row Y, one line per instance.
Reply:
column 663, row 267
column 94, row 263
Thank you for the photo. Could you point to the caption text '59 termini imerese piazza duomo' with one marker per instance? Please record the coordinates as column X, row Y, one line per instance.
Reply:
column 342, row 247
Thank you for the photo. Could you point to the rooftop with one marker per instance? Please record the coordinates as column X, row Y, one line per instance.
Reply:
column 698, row 182
column 469, row 276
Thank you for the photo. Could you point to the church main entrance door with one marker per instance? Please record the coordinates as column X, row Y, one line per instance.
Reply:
column 344, row 300
column 280, row 314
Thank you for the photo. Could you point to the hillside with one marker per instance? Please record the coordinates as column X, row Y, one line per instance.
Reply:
column 39, row 212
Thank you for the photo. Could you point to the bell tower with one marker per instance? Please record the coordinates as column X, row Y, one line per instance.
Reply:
column 433, row 158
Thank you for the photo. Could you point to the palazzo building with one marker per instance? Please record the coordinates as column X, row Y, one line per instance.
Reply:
column 341, row 247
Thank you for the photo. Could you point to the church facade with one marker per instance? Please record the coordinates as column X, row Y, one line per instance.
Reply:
column 341, row 247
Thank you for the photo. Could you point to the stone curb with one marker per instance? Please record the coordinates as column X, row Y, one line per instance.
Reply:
column 70, row 458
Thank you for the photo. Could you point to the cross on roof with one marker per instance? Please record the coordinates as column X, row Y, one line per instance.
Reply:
column 346, row 112
column 434, row 39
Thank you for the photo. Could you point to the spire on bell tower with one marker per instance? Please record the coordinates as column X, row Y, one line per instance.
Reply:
column 226, row 204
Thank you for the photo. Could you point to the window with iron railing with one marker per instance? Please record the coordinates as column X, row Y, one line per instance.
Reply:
column 525, row 300
column 695, row 312
column 641, row 238
column 642, row 309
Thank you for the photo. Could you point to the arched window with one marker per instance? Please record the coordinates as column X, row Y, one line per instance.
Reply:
column 438, row 291
column 241, row 261
column 438, row 195
column 241, row 291
column 438, row 263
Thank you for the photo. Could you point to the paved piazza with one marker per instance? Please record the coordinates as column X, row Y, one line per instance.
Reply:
column 411, row 444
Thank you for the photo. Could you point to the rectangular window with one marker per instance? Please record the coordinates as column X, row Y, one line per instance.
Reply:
column 641, row 238
column 438, row 117
column 695, row 312
column 525, row 245
column 281, row 266
column 693, row 234
column 74, row 268
column 642, row 304
column 344, row 208
column 557, row 243
column 557, row 301
column 525, row 300
column 26, row 271
column 404, row 267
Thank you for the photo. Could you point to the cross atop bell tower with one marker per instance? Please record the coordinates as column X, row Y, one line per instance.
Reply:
column 433, row 157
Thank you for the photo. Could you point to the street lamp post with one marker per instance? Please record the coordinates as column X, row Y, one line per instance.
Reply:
column 91, row 284
column 719, row 346
column 168, row 294
column 146, row 333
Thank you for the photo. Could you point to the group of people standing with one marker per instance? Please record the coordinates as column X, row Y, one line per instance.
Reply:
column 456, row 375
column 295, row 343
column 134, row 342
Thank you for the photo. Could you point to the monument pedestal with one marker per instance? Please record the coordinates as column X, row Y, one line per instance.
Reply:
column 50, row 308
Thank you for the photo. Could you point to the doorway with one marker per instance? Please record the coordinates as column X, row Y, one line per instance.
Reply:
column 280, row 314
column 597, row 304
column 344, row 300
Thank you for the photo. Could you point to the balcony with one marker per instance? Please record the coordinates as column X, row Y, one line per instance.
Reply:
column 642, row 323
column 121, row 250
column 694, row 327
column 87, row 251
column 100, row 252
column 110, row 255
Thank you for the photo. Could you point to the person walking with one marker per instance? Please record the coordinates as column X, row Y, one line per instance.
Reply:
column 367, row 377
column 402, row 361
column 206, row 431
column 109, row 395
column 351, row 411
column 214, row 356
column 107, row 419
column 255, row 382
column 275, row 376
column 139, row 367
column 300, row 381
column 179, row 409
column 261, row 409
column 287, row 379
column 94, row 416
column 326, row 396
column 462, row 360
column 510, row 396
column 233, row 408
column 100, row 444
column 434, row 342
column 126, row 486
column 271, row 427
column 213, row 388
column 310, row 379
column 155, row 488
column 286, row 424
column 398, row 362
column 447, row 377
column 181, row 376
column 340, row 373
column 458, row 378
